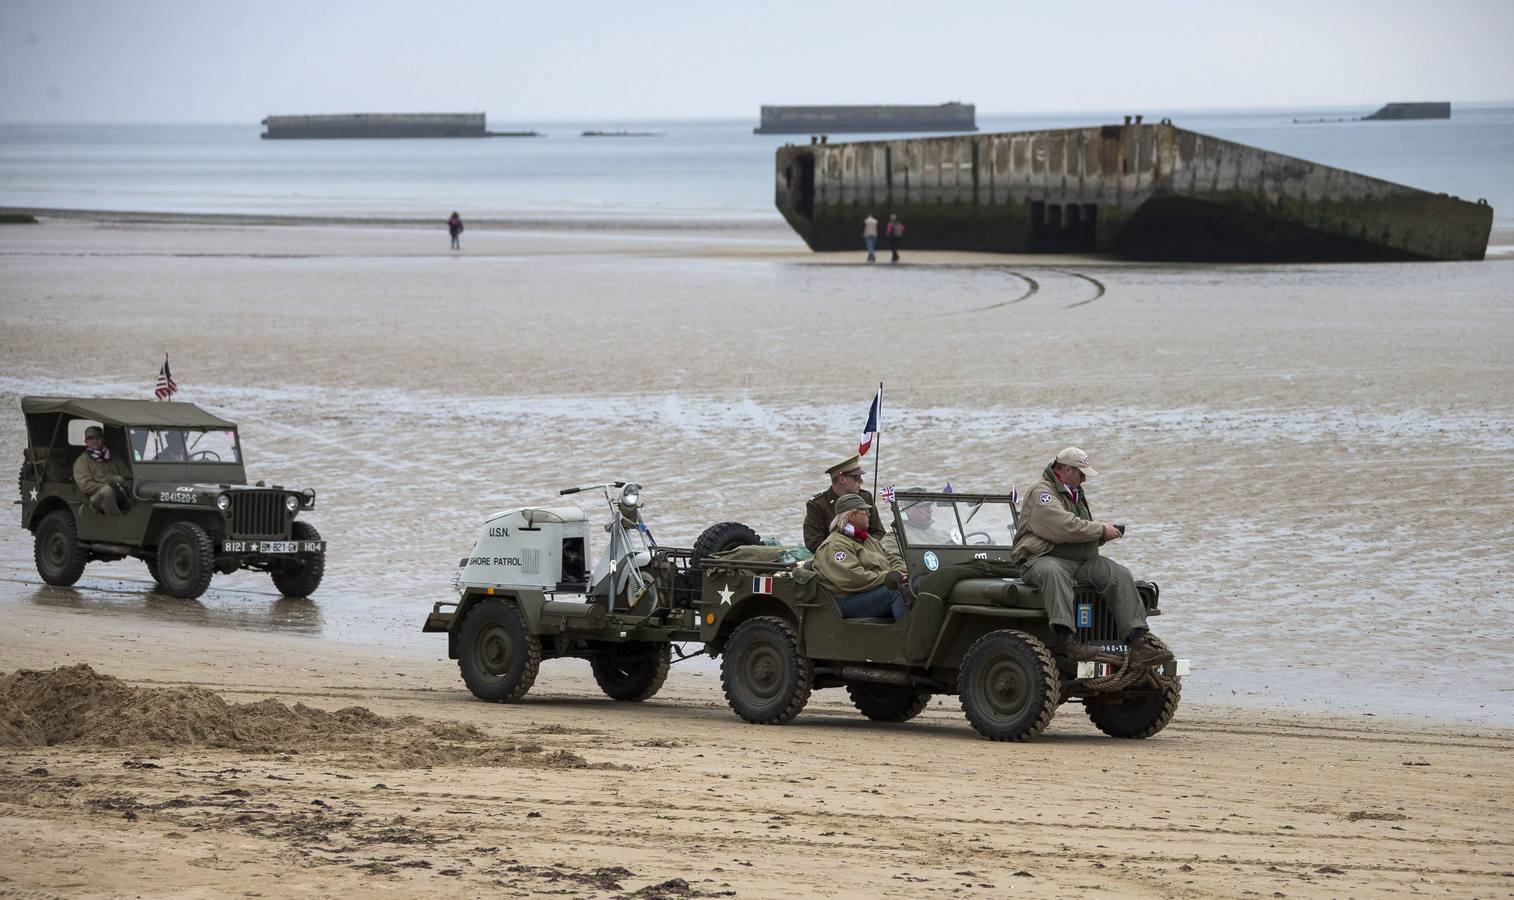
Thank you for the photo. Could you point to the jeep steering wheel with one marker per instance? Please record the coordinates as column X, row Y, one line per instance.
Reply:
column 204, row 456
column 987, row 538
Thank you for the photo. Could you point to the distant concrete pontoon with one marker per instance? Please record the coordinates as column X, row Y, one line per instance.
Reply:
column 382, row 125
column 1436, row 110
column 1142, row 191
column 861, row 119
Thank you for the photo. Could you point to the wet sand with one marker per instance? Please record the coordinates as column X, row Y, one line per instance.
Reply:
column 1314, row 461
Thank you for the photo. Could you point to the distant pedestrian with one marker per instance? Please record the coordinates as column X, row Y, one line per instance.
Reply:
column 894, row 231
column 455, row 228
column 870, row 236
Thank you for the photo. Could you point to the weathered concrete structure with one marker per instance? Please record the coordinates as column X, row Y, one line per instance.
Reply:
column 1433, row 110
column 1143, row 191
column 375, row 125
column 861, row 119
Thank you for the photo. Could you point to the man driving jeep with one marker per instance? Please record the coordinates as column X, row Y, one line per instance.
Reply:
column 929, row 522
column 99, row 475
column 1057, row 544
column 846, row 478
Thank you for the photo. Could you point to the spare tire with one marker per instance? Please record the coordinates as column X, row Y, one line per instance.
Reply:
column 722, row 537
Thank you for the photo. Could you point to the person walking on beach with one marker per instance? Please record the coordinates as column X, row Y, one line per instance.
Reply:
column 870, row 236
column 895, row 233
column 455, row 228
column 1057, row 545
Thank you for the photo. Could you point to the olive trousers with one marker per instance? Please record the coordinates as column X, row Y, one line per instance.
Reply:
column 1055, row 577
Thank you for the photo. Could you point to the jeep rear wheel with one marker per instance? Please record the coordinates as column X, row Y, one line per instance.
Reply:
column 767, row 680
column 1009, row 686
column 1136, row 717
column 186, row 560
column 60, row 559
column 498, row 659
column 302, row 576
column 633, row 672
column 887, row 702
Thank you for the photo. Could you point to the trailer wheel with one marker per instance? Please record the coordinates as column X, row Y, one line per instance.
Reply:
column 633, row 672
column 60, row 559
column 767, row 679
column 887, row 702
column 498, row 659
column 303, row 575
column 1009, row 685
column 186, row 560
column 720, row 538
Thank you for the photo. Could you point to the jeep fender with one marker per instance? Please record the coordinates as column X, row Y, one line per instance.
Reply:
column 965, row 624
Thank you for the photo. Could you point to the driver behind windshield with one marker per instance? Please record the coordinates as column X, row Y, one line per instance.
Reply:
column 98, row 474
column 931, row 522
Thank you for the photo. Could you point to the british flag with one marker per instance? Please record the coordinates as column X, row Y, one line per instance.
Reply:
column 166, row 386
column 886, row 495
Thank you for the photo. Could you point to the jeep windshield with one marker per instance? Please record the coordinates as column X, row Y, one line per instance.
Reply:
column 943, row 522
column 183, row 445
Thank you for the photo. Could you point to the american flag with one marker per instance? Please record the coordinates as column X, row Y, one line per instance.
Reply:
column 166, row 386
column 886, row 495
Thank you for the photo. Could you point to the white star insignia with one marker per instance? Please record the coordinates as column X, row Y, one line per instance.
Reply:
column 34, row 495
column 725, row 595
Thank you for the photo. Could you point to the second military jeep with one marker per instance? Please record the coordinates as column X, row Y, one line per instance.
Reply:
column 527, row 593
column 188, row 511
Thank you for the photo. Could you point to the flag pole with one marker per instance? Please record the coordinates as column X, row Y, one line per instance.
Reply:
column 879, row 439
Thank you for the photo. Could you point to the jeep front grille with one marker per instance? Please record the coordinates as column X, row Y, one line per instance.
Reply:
column 257, row 513
column 1103, row 625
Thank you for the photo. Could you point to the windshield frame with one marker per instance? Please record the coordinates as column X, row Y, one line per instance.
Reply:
column 154, row 433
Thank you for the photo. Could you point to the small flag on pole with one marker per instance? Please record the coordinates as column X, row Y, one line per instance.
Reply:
column 870, row 430
column 886, row 495
column 166, row 386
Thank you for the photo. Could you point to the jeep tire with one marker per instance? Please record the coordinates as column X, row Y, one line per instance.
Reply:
column 186, row 560
column 887, row 702
column 766, row 678
column 496, row 656
column 720, row 538
column 1009, row 685
column 632, row 672
column 60, row 559
column 300, row 577
column 1138, row 716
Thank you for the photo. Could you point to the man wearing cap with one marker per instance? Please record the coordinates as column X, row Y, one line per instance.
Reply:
column 846, row 478
column 925, row 525
column 97, row 474
column 1057, row 544
column 866, row 578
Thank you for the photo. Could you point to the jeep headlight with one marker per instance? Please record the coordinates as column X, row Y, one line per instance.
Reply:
column 630, row 496
column 223, row 502
column 291, row 502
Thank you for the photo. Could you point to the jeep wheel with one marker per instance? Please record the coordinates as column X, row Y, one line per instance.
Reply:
column 887, row 702
column 60, row 559
column 152, row 569
column 498, row 659
column 720, row 538
column 1009, row 686
column 767, row 680
column 1137, row 717
column 633, row 672
column 186, row 560
column 302, row 576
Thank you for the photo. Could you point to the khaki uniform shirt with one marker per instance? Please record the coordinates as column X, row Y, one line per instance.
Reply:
column 1051, row 522
column 93, row 474
column 847, row 566
column 821, row 509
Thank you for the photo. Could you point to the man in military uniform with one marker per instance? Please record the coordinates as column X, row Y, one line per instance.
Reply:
column 929, row 522
column 98, row 474
column 846, row 478
column 1057, row 544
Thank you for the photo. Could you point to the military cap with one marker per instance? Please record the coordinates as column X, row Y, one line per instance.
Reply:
column 849, row 503
column 846, row 465
column 94, row 431
column 1072, row 456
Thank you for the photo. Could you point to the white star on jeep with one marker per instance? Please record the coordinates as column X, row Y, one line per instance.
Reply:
column 34, row 495
column 725, row 595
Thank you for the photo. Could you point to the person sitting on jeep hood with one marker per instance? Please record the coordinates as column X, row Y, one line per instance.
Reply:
column 1057, row 544
column 846, row 478
column 97, row 474
column 853, row 564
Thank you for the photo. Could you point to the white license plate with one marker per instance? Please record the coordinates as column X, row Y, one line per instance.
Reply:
column 281, row 547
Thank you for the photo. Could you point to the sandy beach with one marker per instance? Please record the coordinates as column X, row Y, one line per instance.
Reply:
column 1314, row 461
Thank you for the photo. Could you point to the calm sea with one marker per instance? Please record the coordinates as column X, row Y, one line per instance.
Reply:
column 694, row 170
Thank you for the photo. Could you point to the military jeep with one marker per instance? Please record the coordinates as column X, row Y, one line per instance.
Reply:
column 187, row 510
column 526, row 594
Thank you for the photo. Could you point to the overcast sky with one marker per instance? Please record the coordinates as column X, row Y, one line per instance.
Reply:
column 222, row 61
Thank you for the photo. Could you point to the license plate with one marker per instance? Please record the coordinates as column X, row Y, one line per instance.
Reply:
column 280, row 547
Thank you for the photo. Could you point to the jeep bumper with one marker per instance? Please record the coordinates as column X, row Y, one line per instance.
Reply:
column 1178, row 668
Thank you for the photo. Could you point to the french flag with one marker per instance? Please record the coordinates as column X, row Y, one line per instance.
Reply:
column 870, row 430
column 762, row 585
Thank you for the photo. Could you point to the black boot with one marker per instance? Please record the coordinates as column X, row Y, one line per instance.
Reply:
column 1146, row 650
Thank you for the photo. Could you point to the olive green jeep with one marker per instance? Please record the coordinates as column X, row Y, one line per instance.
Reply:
column 186, row 508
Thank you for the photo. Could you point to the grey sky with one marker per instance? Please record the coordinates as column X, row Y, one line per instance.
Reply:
column 219, row 61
